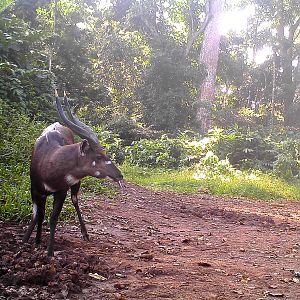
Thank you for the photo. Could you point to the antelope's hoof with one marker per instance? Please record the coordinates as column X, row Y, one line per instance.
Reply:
column 86, row 237
column 50, row 252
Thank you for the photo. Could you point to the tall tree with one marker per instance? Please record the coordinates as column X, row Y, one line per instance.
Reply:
column 209, row 58
column 289, row 22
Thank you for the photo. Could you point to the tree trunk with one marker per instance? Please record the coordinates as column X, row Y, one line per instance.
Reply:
column 51, row 45
column 209, row 57
column 286, row 45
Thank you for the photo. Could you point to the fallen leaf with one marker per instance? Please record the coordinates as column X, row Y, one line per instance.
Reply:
column 274, row 294
column 120, row 275
column 97, row 276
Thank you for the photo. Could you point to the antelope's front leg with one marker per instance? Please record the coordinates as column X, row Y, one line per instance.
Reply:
column 59, row 198
column 74, row 196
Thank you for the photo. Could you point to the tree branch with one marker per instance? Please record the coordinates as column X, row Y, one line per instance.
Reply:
column 196, row 34
column 294, row 27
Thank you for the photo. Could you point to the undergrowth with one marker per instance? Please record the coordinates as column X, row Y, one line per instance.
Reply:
column 247, row 185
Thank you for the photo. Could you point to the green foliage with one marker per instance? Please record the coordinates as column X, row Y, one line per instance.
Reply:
column 287, row 163
column 168, row 89
column 112, row 143
column 16, row 142
column 223, row 152
column 117, row 61
column 18, row 136
column 128, row 129
column 165, row 152
column 212, row 165
column 24, row 83
column 15, row 200
column 253, row 185
column 244, row 149
column 4, row 4
column 285, row 166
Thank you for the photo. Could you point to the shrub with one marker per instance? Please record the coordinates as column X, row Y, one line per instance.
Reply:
column 16, row 143
column 128, row 129
column 112, row 143
column 211, row 166
column 244, row 149
column 284, row 166
column 165, row 152
column 266, row 149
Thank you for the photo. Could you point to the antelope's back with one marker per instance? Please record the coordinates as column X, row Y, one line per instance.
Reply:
column 56, row 133
column 53, row 137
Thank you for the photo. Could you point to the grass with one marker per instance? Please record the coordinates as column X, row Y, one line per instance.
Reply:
column 252, row 186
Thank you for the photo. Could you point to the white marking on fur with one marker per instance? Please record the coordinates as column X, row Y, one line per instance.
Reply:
column 97, row 173
column 71, row 180
column 108, row 177
column 93, row 163
column 34, row 210
column 108, row 162
column 50, row 128
column 48, row 188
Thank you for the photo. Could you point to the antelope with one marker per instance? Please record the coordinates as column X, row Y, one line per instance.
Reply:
column 58, row 164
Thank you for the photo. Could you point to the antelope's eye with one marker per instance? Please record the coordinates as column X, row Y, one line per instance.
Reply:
column 98, row 157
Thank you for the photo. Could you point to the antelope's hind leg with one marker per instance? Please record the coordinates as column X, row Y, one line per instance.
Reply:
column 38, row 213
column 74, row 196
column 40, row 219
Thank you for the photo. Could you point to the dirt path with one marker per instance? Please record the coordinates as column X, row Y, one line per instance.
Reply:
column 161, row 245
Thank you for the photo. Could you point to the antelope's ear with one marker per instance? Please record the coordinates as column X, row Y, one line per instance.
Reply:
column 84, row 147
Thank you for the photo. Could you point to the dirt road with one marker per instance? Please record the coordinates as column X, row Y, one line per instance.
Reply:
column 161, row 245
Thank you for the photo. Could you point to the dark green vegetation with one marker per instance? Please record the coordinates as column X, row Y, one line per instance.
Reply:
column 128, row 73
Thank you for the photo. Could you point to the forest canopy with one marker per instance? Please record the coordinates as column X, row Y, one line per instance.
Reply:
column 138, row 61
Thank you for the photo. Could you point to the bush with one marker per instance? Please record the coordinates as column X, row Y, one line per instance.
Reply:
column 25, row 82
column 165, row 152
column 112, row 143
column 211, row 166
column 16, row 144
column 265, row 149
column 258, row 149
column 128, row 129
column 243, row 148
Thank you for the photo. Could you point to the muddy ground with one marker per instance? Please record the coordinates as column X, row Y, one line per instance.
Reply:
column 160, row 245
